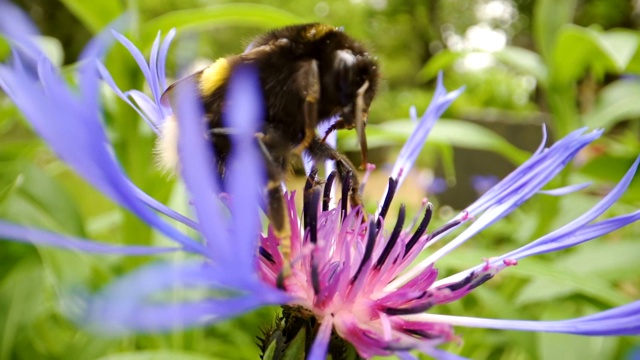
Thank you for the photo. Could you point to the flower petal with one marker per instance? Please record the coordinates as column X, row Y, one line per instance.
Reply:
column 622, row 320
column 75, row 133
column 554, row 240
column 321, row 342
column 507, row 196
column 106, row 77
column 196, row 158
column 162, row 59
column 246, row 173
column 565, row 189
column 411, row 149
column 149, row 299
column 40, row 237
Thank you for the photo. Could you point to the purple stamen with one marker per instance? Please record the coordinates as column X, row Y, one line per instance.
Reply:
column 346, row 187
column 395, row 234
column 448, row 227
column 308, row 186
column 409, row 310
column 391, row 191
column 421, row 229
column 267, row 255
column 326, row 198
column 371, row 241
column 312, row 212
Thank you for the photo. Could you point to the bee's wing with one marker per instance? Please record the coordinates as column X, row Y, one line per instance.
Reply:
column 193, row 79
column 260, row 51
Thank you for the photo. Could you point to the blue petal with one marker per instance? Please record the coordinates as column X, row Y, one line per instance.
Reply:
column 565, row 189
column 71, row 126
column 508, row 195
column 149, row 299
column 246, row 174
column 622, row 320
column 574, row 233
column 17, row 26
column 40, row 237
column 137, row 55
column 411, row 149
column 148, row 106
column 553, row 241
column 160, row 207
column 198, row 166
column 153, row 66
column 148, row 118
column 541, row 167
column 321, row 342
column 162, row 59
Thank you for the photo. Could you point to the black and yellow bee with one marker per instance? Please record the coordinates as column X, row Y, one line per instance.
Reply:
column 309, row 74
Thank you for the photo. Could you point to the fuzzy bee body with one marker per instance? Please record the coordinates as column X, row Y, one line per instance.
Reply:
column 308, row 74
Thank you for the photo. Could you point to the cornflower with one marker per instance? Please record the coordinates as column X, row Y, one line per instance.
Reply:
column 348, row 276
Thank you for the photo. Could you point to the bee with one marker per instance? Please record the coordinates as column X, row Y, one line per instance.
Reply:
column 309, row 74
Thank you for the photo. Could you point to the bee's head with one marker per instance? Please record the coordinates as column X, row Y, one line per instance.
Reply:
column 349, row 85
column 354, row 80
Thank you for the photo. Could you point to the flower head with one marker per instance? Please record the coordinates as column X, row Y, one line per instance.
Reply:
column 368, row 284
column 363, row 282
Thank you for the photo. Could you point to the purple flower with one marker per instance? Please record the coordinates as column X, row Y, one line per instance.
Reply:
column 347, row 272
column 482, row 183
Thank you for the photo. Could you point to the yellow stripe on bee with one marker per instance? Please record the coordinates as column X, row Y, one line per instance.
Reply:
column 318, row 31
column 214, row 76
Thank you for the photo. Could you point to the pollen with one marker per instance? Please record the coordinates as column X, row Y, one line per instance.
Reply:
column 214, row 76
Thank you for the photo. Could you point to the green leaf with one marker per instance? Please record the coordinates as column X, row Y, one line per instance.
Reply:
column 41, row 201
column 156, row 355
column 296, row 348
column 618, row 101
column 5, row 49
column 95, row 15
column 457, row 133
column 541, row 290
column 621, row 45
column 548, row 17
column 52, row 48
column 582, row 347
column 571, row 278
column 579, row 49
column 268, row 354
column 222, row 15
column 548, row 271
column 439, row 61
column 525, row 61
column 620, row 263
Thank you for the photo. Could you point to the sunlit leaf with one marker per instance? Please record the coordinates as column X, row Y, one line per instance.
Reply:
column 295, row 349
column 535, row 268
column 548, row 17
column 457, row 133
column 525, row 61
column 222, row 15
column 41, row 201
column 438, row 62
column 616, row 102
column 95, row 15
column 578, row 49
column 157, row 355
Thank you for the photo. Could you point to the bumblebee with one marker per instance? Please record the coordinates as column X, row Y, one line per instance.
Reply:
column 309, row 74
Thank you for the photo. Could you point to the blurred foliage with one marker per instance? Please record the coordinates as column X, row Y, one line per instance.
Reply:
column 566, row 64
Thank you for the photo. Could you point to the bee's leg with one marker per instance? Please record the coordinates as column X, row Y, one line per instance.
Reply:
column 223, row 131
column 320, row 151
column 307, row 80
column 277, row 210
